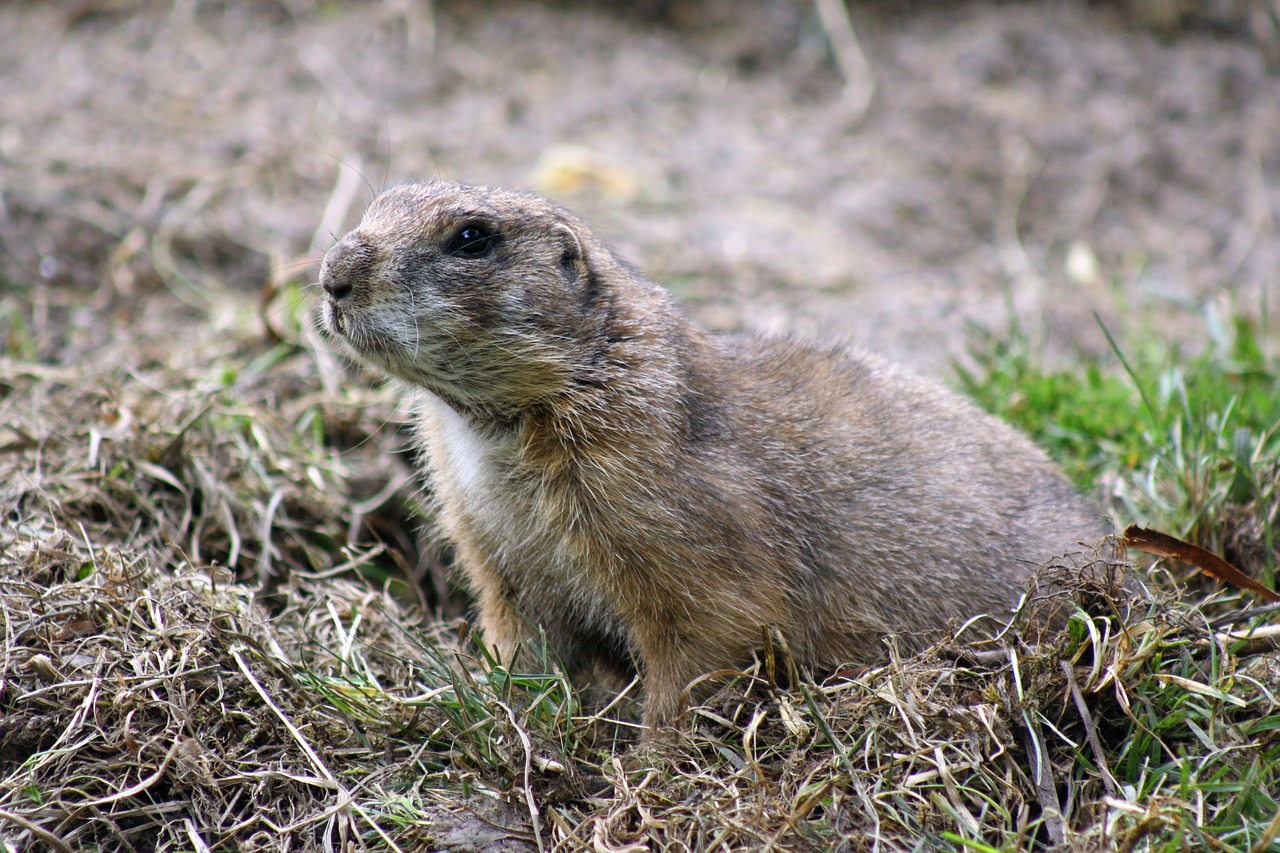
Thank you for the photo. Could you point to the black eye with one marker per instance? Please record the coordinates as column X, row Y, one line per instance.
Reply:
column 471, row 241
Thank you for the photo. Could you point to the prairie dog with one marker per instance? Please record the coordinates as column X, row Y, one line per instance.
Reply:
column 650, row 494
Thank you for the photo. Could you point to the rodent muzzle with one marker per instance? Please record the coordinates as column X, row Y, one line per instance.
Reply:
column 344, row 273
column 347, row 267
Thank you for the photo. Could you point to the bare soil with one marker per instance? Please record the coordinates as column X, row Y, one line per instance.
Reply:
column 1042, row 160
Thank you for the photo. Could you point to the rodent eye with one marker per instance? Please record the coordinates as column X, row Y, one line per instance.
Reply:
column 471, row 241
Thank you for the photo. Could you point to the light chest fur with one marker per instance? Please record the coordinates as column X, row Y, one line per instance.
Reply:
column 508, row 528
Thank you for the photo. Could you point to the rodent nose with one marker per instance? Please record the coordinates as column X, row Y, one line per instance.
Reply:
column 347, row 264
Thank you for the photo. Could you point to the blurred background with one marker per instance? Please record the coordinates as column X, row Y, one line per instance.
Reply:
column 887, row 174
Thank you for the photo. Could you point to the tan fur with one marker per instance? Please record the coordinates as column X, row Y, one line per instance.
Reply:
column 649, row 493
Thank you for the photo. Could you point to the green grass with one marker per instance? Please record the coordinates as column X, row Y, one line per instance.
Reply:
column 1188, row 442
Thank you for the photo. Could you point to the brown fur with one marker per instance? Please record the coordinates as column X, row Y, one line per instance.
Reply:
column 646, row 492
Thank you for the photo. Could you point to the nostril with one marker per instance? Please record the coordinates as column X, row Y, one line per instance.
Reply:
column 337, row 289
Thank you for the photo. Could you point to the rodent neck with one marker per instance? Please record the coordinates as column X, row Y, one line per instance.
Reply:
column 638, row 379
column 639, row 405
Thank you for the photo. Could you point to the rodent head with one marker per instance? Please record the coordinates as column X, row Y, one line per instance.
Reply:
column 490, row 299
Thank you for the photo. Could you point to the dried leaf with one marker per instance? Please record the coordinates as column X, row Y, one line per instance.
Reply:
column 1163, row 545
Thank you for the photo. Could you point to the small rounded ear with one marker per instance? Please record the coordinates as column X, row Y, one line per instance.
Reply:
column 573, row 257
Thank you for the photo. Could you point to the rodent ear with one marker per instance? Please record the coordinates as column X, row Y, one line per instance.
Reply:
column 573, row 257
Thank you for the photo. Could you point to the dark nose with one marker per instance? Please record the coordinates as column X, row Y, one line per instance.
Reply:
column 346, row 267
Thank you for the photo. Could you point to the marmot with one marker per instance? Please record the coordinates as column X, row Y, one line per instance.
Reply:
column 652, row 495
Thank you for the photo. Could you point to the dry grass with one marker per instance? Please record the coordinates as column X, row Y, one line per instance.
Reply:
column 200, row 655
column 990, row 746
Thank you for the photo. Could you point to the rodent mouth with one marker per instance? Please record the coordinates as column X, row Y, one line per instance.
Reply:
column 337, row 320
column 360, row 335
